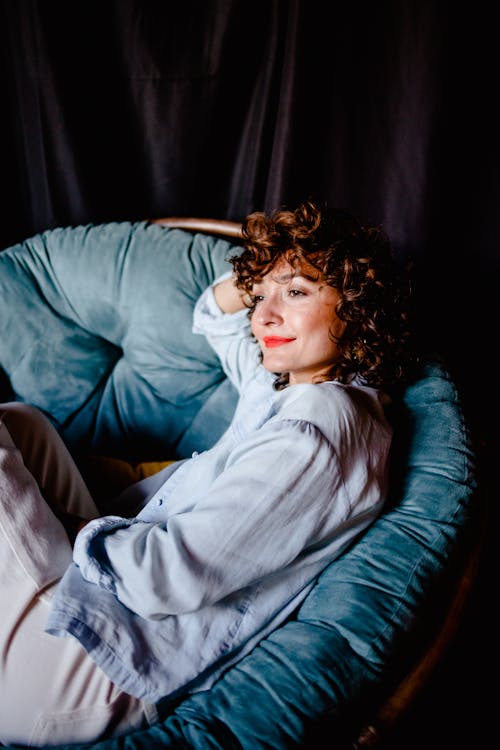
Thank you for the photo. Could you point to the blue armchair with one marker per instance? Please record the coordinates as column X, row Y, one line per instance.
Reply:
column 95, row 330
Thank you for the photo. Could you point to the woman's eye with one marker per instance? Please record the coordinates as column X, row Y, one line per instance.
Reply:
column 256, row 298
column 296, row 293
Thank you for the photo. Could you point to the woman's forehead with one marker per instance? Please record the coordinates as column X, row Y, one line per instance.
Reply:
column 285, row 269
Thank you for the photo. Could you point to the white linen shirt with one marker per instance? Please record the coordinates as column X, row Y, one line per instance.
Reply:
column 229, row 542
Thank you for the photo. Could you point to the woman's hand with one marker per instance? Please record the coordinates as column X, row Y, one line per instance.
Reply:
column 229, row 298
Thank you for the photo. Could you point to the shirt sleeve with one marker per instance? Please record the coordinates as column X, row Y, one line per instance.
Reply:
column 280, row 497
column 229, row 336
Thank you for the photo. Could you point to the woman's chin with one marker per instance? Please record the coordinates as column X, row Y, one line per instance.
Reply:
column 273, row 364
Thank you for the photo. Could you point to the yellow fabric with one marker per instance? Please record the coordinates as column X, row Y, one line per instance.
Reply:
column 147, row 468
column 107, row 476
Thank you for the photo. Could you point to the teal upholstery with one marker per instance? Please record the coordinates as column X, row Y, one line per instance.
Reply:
column 95, row 329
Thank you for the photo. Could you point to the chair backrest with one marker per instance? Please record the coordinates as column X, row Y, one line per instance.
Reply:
column 95, row 330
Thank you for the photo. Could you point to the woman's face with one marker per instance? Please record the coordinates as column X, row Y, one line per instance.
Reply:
column 295, row 322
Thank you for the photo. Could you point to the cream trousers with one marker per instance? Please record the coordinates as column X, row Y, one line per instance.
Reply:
column 51, row 692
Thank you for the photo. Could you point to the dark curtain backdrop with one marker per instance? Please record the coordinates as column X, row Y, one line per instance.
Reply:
column 119, row 109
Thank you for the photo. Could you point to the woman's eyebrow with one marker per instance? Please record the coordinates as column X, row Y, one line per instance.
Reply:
column 284, row 277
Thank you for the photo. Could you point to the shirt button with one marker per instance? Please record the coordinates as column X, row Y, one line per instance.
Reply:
column 195, row 454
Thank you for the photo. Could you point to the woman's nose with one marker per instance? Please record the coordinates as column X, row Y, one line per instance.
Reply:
column 269, row 311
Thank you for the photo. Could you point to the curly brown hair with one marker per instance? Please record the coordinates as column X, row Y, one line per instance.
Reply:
column 359, row 263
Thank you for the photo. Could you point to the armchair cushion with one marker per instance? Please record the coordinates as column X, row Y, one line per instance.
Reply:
column 95, row 330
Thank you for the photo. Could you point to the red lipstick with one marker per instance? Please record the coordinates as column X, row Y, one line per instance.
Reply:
column 272, row 341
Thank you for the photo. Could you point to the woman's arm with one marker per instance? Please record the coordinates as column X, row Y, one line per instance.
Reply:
column 251, row 521
column 281, row 497
column 220, row 314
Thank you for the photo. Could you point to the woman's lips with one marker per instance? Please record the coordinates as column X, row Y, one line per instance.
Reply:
column 272, row 341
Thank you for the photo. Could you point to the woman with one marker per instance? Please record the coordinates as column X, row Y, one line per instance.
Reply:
column 227, row 544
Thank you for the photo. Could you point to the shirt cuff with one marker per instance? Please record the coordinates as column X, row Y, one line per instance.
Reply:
column 84, row 550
